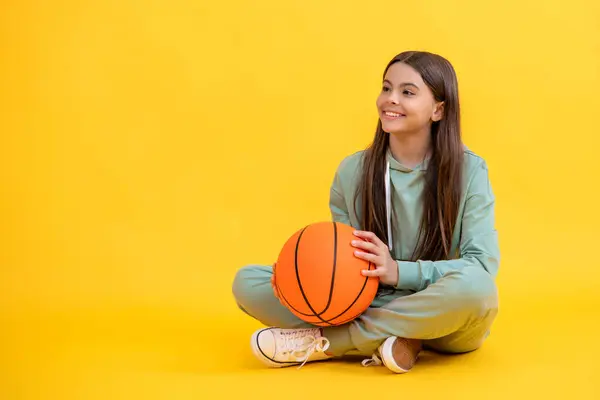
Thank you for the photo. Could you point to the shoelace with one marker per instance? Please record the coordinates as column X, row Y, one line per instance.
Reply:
column 374, row 360
column 296, row 347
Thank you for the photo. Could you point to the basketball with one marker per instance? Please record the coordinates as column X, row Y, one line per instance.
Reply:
column 319, row 278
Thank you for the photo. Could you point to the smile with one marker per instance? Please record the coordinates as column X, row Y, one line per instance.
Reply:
column 390, row 114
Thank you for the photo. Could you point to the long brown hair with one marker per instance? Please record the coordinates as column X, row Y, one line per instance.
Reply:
column 443, row 176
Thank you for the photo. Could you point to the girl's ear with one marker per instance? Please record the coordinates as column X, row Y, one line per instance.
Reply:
column 438, row 112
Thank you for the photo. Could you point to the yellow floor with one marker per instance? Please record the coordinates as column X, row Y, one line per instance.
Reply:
column 159, row 354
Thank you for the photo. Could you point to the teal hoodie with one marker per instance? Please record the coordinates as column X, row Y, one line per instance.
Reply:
column 475, row 239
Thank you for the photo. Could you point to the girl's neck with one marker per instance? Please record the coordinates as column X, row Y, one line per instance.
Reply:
column 410, row 149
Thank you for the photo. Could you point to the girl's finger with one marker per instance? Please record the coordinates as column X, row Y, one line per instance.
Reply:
column 365, row 235
column 368, row 246
column 373, row 272
column 274, row 287
column 367, row 256
column 371, row 237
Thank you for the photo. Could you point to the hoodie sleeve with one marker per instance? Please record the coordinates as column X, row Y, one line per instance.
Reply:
column 478, row 242
column 337, row 203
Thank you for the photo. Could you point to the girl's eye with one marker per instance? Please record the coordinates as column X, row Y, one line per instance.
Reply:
column 408, row 93
column 385, row 89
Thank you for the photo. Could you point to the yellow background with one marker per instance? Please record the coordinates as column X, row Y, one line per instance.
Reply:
column 150, row 148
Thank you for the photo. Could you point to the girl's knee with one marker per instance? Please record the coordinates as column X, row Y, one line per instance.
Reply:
column 248, row 282
column 475, row 290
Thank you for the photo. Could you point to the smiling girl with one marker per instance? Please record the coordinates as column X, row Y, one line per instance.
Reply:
column 424, row 206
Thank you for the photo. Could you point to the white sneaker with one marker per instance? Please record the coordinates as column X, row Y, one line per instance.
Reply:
column 399, row 355
column 286, row 347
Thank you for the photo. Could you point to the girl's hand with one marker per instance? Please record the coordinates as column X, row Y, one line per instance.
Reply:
column 372, row 249
column 275, row 292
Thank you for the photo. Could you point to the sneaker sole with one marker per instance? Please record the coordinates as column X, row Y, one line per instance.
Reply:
column 386, row 351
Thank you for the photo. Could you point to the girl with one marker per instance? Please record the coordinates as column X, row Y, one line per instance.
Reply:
column 425, row 207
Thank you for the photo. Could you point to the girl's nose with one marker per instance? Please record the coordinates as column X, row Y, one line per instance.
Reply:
column 394, row 97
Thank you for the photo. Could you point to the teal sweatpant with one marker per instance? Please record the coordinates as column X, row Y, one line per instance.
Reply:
column 453, row 315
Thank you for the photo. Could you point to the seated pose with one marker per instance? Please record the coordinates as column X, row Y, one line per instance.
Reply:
column 423, row 208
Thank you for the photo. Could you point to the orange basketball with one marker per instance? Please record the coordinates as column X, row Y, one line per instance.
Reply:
column 319, row 278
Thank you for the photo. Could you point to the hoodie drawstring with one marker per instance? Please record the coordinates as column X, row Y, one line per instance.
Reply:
column 388, row 204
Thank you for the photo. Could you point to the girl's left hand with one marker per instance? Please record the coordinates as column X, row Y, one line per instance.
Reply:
column 372, row 249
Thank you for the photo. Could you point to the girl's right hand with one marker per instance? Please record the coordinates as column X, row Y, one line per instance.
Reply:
column 273, row 283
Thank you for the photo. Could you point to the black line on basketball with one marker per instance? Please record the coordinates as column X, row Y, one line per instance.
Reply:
column 294, row 308
column 300, row 283
column 335, row 244
column 283, row 296
column 356, row 299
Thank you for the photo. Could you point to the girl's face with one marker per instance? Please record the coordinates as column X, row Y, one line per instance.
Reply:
column 406, row 104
